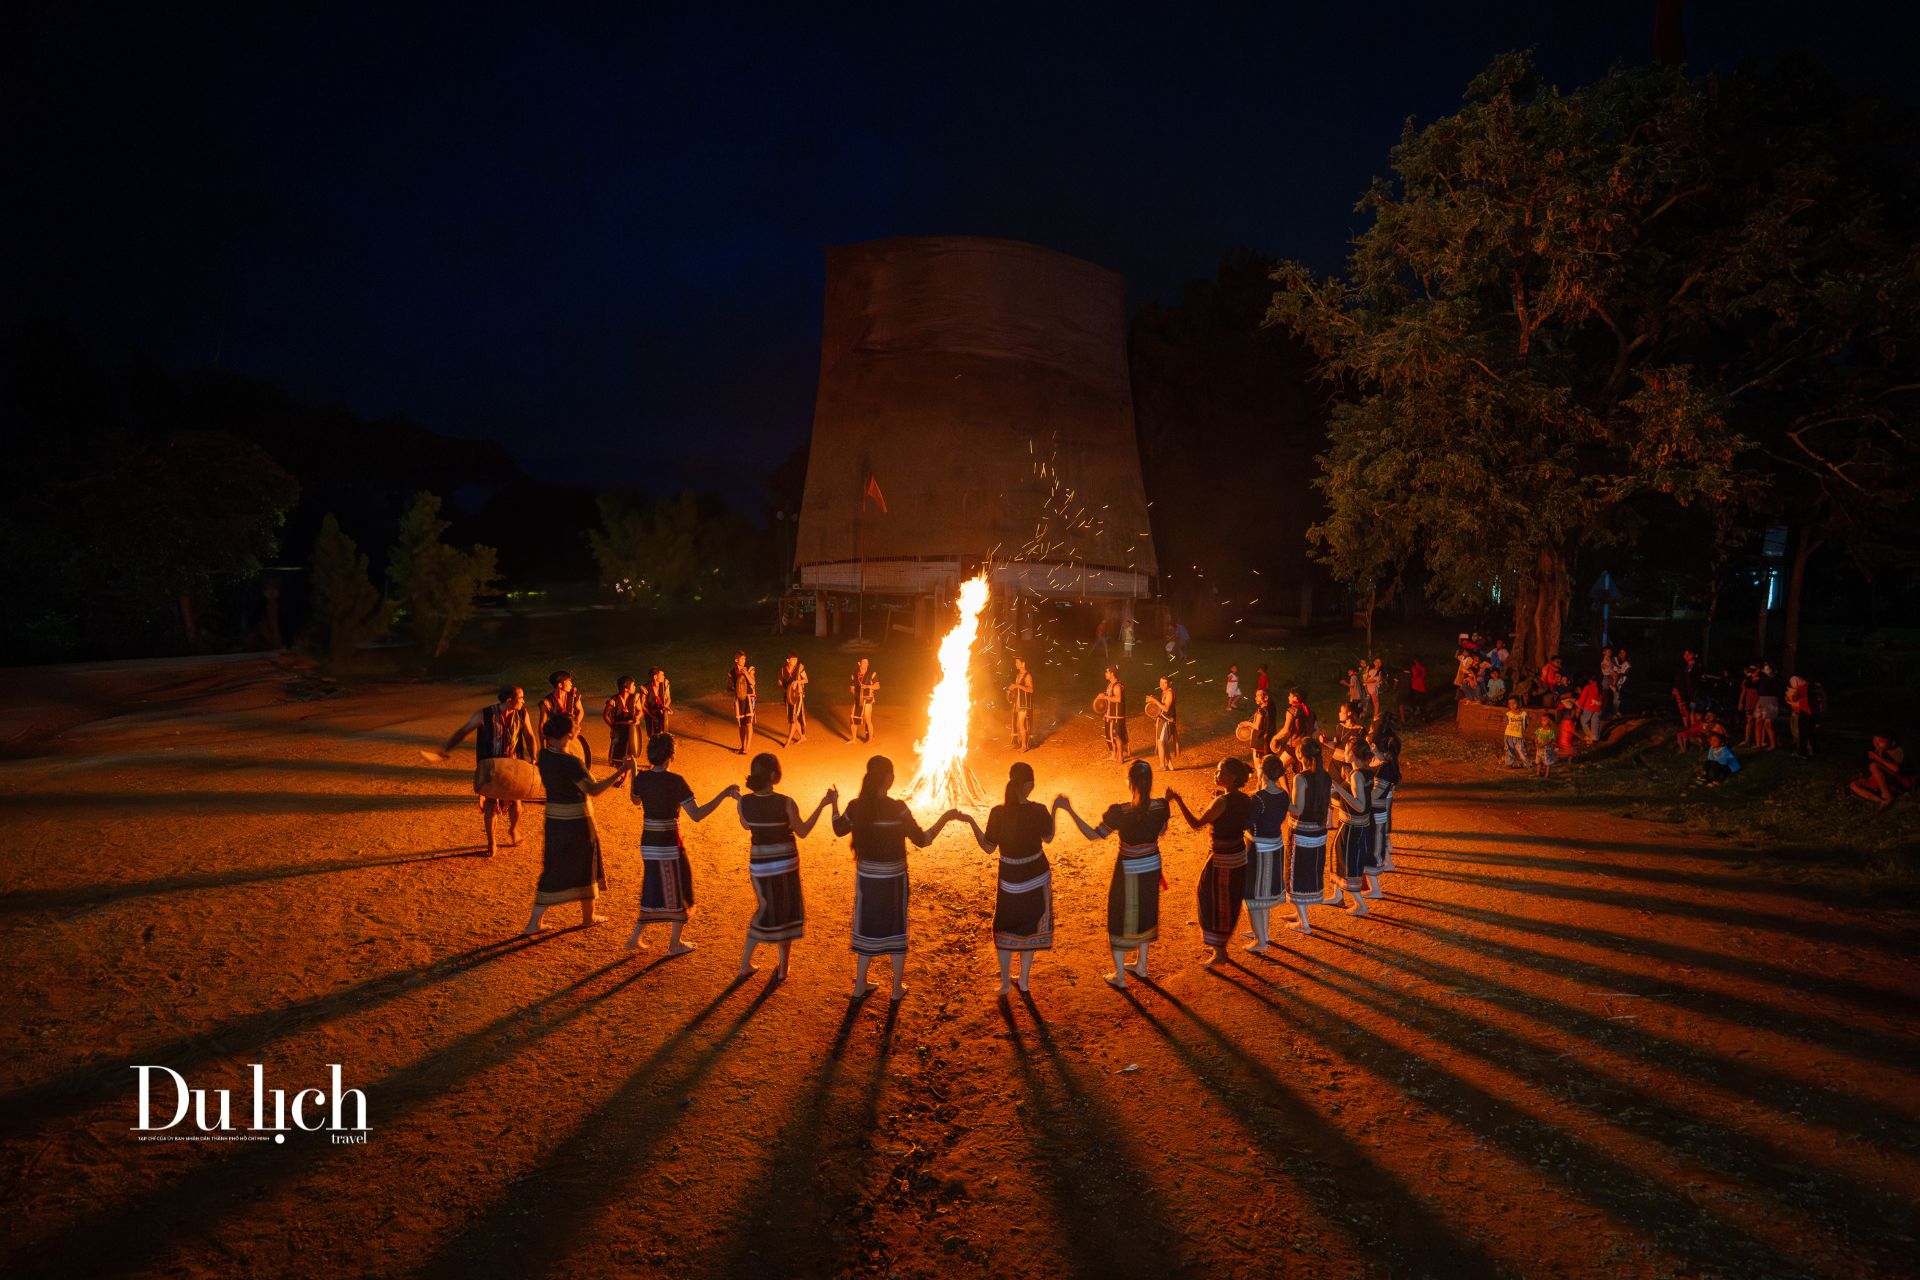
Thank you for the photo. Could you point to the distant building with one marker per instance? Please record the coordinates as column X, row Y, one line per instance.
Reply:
column 979, row 390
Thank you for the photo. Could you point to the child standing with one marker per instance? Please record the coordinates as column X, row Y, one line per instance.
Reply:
column 1233, row 687
column 1516, row 735
column 1543, row 735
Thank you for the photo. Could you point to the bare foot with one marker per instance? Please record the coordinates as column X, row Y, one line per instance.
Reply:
column 1135, row 969
column 634, row 944
column 1117, row 981
column 1023, row 986
column 1258, row 948
column 779, row 976
column 679, row 948
column 1006, row 988
column 861, row 990
column 1218, row 957
column 746, row 971
column 1298, row 927
column 1374, row 893
column 530, row 930
column 899, row 994
column 1359, row 907
column 591, row 921
column 512, row 839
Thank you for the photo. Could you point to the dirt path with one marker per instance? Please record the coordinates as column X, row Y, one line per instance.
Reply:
column 1558, row 1048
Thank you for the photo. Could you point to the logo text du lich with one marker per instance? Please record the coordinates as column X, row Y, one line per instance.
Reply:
column 308, row 1110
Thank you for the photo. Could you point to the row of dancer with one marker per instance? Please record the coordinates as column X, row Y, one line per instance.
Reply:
column 1267, row 849
column 742, row 685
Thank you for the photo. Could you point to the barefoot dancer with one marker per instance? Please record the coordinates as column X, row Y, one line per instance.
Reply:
column 503, row 734
column 1267, row 851
column 793, row 686
column 570, row 866
column 1353, row 845
column 1133, row 896
column 741, row 688
column 1023, row 904
column 656, row 702
column 564, row 700
column 666, row 885
column 881, row 826
column 1113, row 705
column 774, row 828
column 622, row 714
column 1223, row 882
column 1020, row 698
column 864, row 687
column 1307, row 833
column 1384, row 766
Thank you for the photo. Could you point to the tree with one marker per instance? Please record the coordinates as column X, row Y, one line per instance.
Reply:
column 346, row 604
column 436, row 583
column 675, row 550
column 1530, row 332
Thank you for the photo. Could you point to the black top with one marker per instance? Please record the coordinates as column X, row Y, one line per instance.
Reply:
column 1019, row 832
column 1314, row 789
column 561, row 774
column 1134, row 825
column 659, row 793
column 1263, row 728
column 1267, row 813
column 790, row 681
column 766, row 818
column 880, row 830
column 1232, row 821
column 1362, row 783
column 1768, row 685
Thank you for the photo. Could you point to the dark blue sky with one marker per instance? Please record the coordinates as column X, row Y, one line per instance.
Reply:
column 599, row 240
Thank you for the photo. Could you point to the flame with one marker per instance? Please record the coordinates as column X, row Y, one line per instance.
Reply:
column 943, row 781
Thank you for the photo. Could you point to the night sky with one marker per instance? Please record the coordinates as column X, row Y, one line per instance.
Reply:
column 601, row 244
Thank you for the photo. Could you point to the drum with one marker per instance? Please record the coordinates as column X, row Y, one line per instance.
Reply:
column 1154, row 709
column 1099, row 707
column 505, row 778
column 1244, row 731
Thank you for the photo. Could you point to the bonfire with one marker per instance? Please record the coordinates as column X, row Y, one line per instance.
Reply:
column 943, row 780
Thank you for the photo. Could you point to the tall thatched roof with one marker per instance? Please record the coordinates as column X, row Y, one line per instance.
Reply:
column 982, row 385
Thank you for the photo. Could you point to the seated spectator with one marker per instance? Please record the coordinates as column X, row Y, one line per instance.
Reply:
column 1496, row 686
column 1889, row 775
column 1720, row 763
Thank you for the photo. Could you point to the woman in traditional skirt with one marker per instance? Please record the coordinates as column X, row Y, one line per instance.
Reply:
column 656, row 702
column 1167, row 740
column 1223, row 882
column 1133, row 896
column 1353, row 845
column 1023, row 905
column 881, row 826
column 622, row 714
column 1385, row 769
column 793, row 686
column 1267, row 851
column 570, row 866
column 1306, row 833
column 666, row 884
column 774, row 830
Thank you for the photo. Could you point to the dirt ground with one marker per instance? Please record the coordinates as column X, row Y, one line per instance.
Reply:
column 1559, row 1047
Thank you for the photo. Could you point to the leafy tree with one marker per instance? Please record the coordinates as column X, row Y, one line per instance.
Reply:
column 674, row 550
column 1532, row 333
column 436, row 583
column 346, row 604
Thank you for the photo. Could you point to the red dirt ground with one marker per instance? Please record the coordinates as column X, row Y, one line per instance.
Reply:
column 1562, row 1046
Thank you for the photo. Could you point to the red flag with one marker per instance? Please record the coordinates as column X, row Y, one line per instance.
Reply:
column 873, row 491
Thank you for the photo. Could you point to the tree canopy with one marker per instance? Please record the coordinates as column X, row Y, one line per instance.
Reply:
column 1568, row 304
